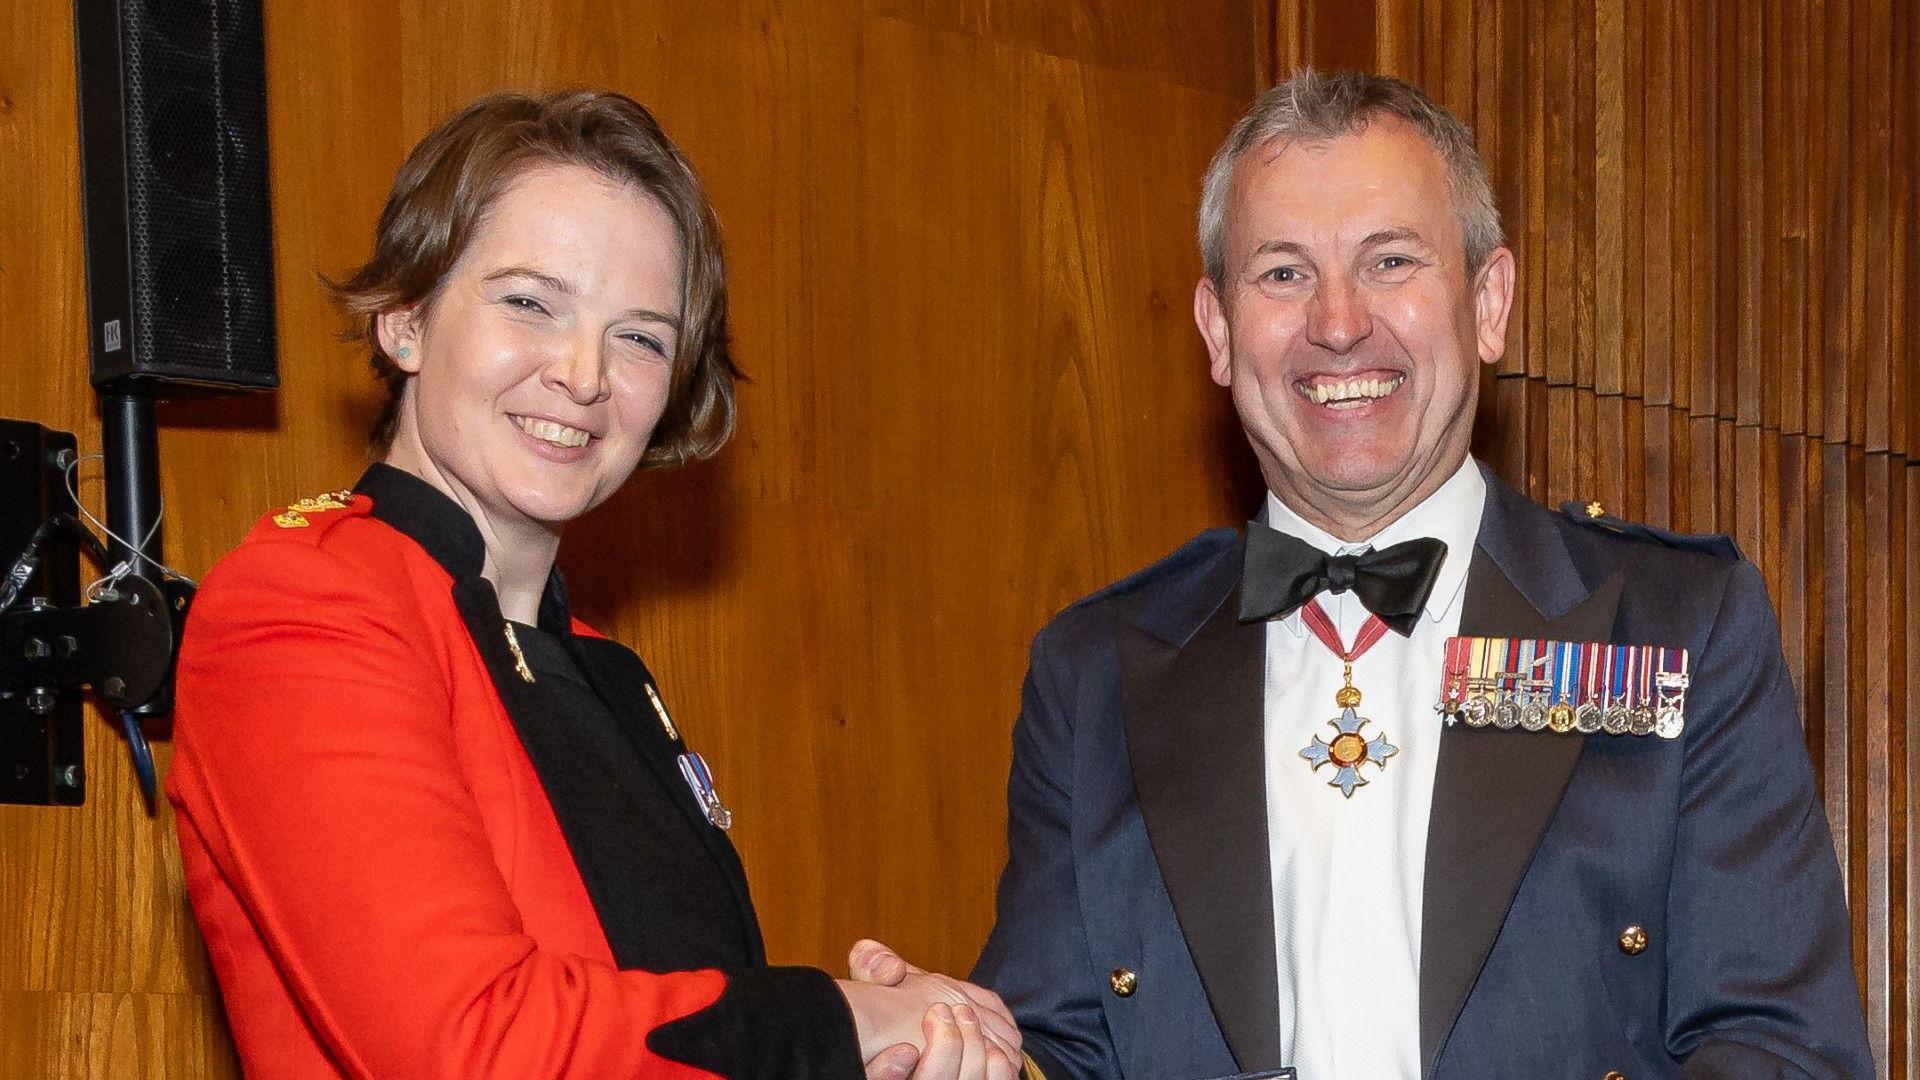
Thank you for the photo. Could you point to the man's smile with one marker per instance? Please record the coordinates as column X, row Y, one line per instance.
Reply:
column 1349, row 391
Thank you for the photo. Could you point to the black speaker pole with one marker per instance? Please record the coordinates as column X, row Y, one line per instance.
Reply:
column 132, row 446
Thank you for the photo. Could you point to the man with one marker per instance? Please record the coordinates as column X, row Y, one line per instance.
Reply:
column 1508, row 829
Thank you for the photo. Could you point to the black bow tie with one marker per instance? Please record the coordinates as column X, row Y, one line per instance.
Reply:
column 1283, row 572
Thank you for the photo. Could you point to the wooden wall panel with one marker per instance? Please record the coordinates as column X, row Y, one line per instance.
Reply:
column 962, row 256
column 1713, row 206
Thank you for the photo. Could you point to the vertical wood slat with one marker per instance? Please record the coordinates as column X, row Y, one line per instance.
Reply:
column 1904, row 1055
column 1715, row 209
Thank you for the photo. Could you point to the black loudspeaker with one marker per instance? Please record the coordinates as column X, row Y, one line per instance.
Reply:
column 173, row 148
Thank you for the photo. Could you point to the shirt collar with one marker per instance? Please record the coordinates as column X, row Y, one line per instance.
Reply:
column 1451, row 514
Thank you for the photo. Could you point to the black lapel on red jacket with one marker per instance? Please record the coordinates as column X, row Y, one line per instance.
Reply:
column 1192, row 687
column 1495, row 791
column 621, row 679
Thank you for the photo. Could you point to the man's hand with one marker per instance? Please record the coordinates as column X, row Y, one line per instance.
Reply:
column 958, row 1048
column 906, row 1016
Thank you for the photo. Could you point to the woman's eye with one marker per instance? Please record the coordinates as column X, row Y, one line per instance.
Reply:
column 525, row 303
column 648, row 342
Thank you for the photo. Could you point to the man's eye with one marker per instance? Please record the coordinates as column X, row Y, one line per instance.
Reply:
column 1395, row 262
column 1283, row 274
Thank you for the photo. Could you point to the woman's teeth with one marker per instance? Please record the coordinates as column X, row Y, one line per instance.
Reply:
column 1352, row 392
column 548, row 431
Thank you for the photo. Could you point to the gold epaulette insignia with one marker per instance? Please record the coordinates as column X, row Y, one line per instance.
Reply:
column 330, row 500
column 295, row 515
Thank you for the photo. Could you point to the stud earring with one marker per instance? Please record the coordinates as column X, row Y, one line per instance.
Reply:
column 405, row 351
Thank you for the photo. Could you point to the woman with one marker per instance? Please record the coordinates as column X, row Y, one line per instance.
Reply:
column 433, row 825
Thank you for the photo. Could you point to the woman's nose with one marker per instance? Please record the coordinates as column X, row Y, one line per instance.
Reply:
column 581, row 374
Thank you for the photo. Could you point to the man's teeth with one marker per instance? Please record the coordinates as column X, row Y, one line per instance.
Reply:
column 1353, row 389
column 548, row 431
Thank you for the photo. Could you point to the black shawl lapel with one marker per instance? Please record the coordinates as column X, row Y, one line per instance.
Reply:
column 1495, row 791
column 1192, row 691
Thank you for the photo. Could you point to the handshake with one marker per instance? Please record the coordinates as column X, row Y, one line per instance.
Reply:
column 917, row 1025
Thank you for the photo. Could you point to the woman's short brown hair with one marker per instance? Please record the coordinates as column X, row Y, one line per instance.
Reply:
column 445, row 187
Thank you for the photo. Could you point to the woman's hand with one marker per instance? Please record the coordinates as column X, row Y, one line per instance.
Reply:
column 896, row 1007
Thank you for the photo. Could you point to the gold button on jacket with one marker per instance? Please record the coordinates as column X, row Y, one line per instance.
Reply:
column 1633, row 941
column 1123, row 981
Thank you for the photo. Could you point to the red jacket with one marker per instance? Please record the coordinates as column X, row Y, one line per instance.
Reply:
column 381, row 880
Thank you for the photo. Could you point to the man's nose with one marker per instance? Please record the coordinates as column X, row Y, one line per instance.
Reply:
column 1338, row 319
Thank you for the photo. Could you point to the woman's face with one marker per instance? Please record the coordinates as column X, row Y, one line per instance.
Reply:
column 542, row 365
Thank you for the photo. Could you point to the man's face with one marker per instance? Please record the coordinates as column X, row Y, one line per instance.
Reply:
column 1347, row 327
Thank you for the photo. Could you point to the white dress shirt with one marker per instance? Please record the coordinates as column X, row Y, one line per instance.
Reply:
column 1348, row 872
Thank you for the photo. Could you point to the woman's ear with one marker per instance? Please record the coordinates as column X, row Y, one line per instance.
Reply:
column 398, row 333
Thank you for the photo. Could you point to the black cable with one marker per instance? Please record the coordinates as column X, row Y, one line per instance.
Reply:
column 86, row 538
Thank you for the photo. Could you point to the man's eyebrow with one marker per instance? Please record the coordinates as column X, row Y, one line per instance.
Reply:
column 558, row 285
column 1394, row 236
column 1280, row 247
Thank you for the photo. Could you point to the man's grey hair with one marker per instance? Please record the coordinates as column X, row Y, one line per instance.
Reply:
column 1320, row 108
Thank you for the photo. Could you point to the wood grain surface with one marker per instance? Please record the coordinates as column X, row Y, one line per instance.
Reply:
column 962, row 256
column 1713, row 206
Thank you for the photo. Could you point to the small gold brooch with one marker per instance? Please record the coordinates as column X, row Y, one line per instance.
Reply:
column 519, row 658
column 660, row 708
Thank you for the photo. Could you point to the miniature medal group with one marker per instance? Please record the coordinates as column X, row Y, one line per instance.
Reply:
column 1580, row 687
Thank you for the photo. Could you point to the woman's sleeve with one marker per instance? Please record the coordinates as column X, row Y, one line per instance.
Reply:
column 315, row 764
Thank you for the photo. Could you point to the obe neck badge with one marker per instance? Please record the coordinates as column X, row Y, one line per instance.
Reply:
column 1349, row 748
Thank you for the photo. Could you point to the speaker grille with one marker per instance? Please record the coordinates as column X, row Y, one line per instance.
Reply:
column 198, row 224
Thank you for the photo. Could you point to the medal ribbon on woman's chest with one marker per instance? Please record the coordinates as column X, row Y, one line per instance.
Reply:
column 1349, row 748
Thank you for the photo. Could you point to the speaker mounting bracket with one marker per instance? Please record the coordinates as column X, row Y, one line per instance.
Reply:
column 41, row 759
